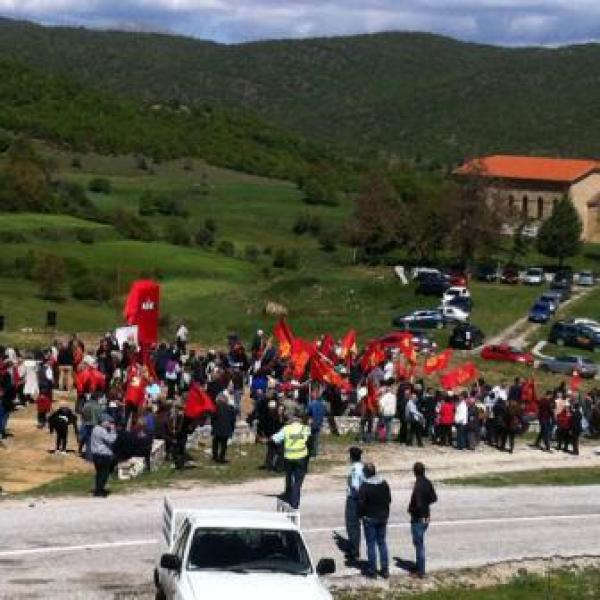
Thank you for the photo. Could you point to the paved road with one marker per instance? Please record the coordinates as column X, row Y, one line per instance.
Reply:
column 94, row 548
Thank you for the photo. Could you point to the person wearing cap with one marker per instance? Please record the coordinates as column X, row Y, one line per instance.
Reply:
column 423, row 496
column 295, row 439
column 102, row 441
column 354, row 481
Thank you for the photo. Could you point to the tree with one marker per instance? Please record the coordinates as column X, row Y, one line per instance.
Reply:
column 51, row 274
column 100, row 185
column 560, row 235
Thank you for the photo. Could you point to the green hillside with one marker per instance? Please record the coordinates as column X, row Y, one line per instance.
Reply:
column 82, row 118
column 417, row 95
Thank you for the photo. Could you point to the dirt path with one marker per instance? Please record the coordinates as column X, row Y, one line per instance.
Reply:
column 25, row 460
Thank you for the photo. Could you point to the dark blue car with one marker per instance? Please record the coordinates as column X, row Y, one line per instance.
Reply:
column 540, row 312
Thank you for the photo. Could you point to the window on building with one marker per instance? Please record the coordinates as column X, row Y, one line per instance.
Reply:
column 540, row 208
column 525, row 206
column 554, row 204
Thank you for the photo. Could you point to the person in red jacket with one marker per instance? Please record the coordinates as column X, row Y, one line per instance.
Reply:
column 446, row 421
column 44, row 406
column 564, row 422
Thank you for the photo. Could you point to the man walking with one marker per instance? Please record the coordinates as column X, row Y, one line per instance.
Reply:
column 423, row 496
column 102, row 442
column 374, row 499
column 316, row 413
column 294, row 436
column 546, row 421
column 354, row 481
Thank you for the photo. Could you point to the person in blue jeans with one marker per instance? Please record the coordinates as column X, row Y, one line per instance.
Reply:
column 374, row 499
column 423, row 496
column 316, row 413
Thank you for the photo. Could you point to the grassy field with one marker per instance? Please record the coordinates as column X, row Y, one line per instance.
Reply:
column 558, row 585
column 567, row 476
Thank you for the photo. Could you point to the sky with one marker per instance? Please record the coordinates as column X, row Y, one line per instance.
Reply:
column 504, row 22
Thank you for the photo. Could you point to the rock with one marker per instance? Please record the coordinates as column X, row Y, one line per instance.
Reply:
column 276, row 310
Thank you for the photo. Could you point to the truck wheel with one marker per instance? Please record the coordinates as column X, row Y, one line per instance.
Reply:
column 560, row 342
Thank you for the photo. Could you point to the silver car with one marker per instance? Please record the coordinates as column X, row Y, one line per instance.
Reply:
column 586, row 279
column 569, row 365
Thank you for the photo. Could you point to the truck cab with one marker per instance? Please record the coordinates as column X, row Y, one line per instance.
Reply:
column 236, row 553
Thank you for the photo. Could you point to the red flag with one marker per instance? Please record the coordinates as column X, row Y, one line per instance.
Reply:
column 459, row 376
column 142, row 309
column 370, row 401
column 302, row 352
column 322, row 370
column 327, row 346
column 198, row 402
column 403, row 371
column 136, row 387
column 575, row 381
column 438, row 362
column 373, row 355
column 348, row 346
column 408, row 349
column 285, row 338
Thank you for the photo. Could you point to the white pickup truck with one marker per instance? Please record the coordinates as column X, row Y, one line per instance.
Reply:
column 228, row 554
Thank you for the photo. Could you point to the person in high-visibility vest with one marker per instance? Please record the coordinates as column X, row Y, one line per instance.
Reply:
column 295, row 438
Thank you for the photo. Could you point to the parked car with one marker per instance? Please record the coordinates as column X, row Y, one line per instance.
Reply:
column 466, row 337
column 564, row 333
column 563, row 287
column 432, row 286
column 422, row 273
column 458, row 278
column 586, row 279
column 462, row 302
column 510, row 275
column 426, row 319
column 507, row 353
column 534, row 276
column 563, row 275
column 552, row 299
column 422, row 343
column 569, row 365
column 455, row 292
column 593, row 325
column 487, row 273
column 540, row 312
column 453, row 314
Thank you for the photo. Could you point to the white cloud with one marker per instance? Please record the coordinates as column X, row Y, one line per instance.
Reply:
column 496, row 21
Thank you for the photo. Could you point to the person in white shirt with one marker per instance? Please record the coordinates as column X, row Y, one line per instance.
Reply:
column 353, row 483
column 460, row 421
column 182, row 337
column 387, row 408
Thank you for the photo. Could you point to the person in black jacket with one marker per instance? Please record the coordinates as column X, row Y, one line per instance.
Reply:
column 423, row 496
column 59, row 422
column 374, row 499
column 223, row 425
column 576, row 428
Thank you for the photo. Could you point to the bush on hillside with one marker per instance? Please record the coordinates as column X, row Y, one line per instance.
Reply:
column 204, row 238
column 151, row 204
column 100, row 185
column 307, row 223
column 91, row 286
column 226, row 248
column 177, row 233
column 286, row 259
column 51, row 274
column 76, row 162
column 251, row 253
column 320, row 192
column 85, row 235
column 131, row 226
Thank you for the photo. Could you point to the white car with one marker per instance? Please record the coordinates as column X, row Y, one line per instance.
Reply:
column 586, row 279
column 236, row 554
column 454, row 314
column 534, row 276
column 455, row 292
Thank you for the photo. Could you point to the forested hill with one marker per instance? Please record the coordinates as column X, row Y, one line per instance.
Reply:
column 416, row 95
column 81, row 118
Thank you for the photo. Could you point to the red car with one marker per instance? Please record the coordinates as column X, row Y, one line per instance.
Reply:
column 507, row 353
column 458, row 279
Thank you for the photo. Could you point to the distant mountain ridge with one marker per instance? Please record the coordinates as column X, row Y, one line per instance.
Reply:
column 418, row 96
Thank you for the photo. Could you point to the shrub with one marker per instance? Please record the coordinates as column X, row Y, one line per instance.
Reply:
column 177, row 233
column 210, row 224
column 251, row 253
column 100, row 185
column 307, row 223
column 50, row 273
column 131, row 226
column 85, row 235
column 141, row 163
column 226, row 248
column 91, row 286
column 328, row 241
column 76, row 162
column 12, row 237
column 188, row 165
column 283, row 259
column 319, row 192
column 204, row 238
column 152, row 204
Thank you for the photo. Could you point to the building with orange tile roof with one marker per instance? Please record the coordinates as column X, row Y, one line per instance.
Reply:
column 531, row 186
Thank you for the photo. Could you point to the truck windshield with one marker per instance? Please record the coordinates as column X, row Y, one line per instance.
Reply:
column 244, row 550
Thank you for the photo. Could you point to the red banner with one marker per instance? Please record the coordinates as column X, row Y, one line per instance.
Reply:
column 322, row 370
column 302, row 351
column 142, row 309
column 136, row 387
column 285, row 338
column 529, row 397
column 373, row 355
column 198, row 402
column 348, row 345
column 459, row 376
column 575, row 382
column 327, row 346
column 439, row 362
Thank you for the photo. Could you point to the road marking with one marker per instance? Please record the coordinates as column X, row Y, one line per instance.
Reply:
column 315, row 530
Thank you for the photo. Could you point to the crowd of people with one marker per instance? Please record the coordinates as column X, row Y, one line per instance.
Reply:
column 126, row 397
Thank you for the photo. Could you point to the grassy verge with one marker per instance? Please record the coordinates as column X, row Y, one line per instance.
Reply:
column 558, row 585
column 243, row 466
column 561, row 476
